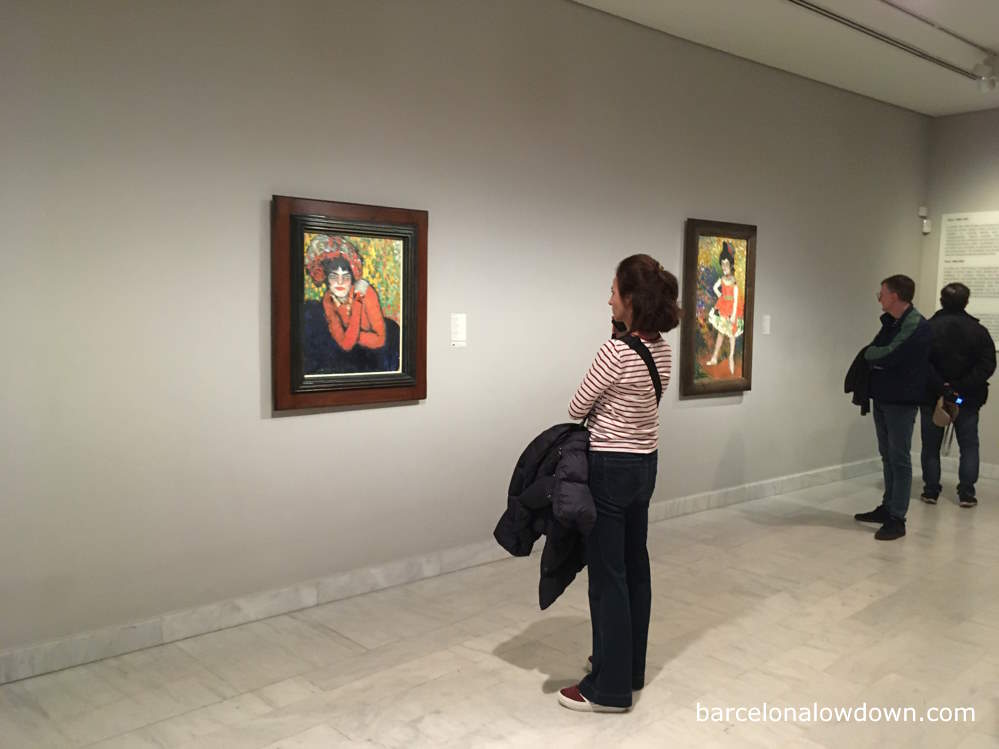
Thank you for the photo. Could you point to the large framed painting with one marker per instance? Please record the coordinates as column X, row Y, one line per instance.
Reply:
column 719, row 270
column 349, row 303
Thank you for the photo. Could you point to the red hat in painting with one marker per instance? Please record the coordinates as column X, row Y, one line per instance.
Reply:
column 323, row 248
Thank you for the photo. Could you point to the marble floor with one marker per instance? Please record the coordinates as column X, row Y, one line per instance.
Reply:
column 784, row 601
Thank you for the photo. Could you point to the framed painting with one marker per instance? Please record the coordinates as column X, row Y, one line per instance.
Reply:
column 719, row 272
column 349, row 303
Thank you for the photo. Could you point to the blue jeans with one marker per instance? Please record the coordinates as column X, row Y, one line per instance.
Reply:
column 966, row 432
column 893, row 423
column 620, row 577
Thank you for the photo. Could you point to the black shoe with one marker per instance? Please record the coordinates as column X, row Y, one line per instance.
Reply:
column 930, row 499
column 892, row 529
column 967, row 501
column 878, row 515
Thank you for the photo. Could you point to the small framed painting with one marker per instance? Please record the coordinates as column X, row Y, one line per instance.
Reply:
column 349, row 302
column 719, row 274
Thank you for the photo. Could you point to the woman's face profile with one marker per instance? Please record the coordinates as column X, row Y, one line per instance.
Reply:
column 726, row 266
column 619, row 310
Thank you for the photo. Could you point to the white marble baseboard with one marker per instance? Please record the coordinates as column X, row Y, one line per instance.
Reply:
column 761, row 489
column 949, row 464
column 34, row 660
column 985, row 470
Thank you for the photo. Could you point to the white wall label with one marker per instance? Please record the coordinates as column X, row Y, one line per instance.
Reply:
column 766, row 325
column 459, row 330
column 969, row 254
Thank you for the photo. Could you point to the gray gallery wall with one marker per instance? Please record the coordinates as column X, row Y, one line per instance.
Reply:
column 143, row 469
column 963, row 177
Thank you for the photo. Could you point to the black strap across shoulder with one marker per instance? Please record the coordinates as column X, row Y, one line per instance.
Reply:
column 639, row 348
column 642, row 350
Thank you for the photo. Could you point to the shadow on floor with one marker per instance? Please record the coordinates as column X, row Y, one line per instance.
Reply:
column 810, row 517
column 534, row 649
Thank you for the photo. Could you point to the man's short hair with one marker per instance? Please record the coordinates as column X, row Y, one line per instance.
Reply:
column 954, row 296
column 904, row 286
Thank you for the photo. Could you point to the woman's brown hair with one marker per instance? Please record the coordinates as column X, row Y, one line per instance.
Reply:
column 652, row 291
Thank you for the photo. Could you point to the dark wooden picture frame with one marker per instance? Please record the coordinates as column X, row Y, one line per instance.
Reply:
column 311, row 367
column 717, row 307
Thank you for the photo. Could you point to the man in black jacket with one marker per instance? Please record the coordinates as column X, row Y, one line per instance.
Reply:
column 899, row 362
column 962, row 359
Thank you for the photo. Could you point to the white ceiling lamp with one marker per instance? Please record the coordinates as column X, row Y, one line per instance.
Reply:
column 984, row 72
column 987, row 72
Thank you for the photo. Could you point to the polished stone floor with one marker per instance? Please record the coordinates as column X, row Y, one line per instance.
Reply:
column 784, row 601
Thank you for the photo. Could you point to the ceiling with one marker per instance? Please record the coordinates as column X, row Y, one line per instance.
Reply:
column 783, row 35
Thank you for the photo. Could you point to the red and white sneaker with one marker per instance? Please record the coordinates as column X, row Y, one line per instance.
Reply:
column 573, row 699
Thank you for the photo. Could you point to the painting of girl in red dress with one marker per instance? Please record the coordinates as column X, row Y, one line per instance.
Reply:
column 726, row 317
column 719, row 294
column 720, row 299
column 351, row 305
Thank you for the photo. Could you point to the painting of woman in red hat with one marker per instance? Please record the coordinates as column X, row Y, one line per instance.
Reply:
column 346, row 330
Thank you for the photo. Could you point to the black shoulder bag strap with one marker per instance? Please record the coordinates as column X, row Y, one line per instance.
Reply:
column 639, row 348
column 646, row 355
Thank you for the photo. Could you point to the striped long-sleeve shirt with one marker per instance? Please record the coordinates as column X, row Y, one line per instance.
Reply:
column 618, row 390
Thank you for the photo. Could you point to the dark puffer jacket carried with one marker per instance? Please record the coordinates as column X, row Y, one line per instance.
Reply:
column 549, row 495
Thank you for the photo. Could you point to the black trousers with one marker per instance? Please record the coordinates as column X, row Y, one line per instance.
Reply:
column 620, row 579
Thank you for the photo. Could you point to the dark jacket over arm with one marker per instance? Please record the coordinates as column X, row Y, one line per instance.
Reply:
column 858, row 382
column 549, row 495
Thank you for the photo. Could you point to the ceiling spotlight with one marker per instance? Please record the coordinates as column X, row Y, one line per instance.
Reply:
column 986, row 72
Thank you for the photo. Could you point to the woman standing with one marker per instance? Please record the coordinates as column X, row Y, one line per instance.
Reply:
column 619, row 396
